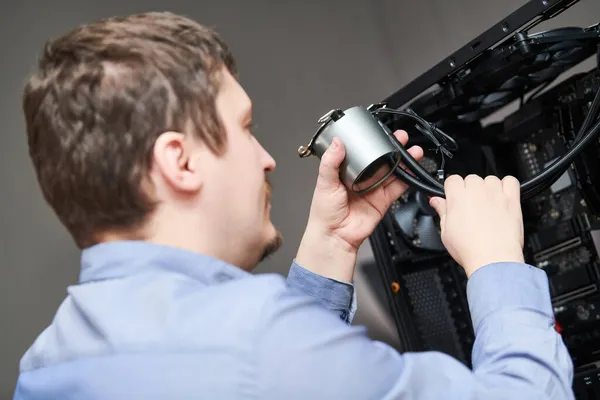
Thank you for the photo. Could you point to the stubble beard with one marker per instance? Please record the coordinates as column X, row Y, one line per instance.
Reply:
column 277, row 240
column 272, row 246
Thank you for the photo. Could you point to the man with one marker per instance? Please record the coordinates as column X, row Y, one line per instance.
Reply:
column 141, row 139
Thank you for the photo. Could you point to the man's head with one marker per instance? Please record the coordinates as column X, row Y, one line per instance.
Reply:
column 139, row 130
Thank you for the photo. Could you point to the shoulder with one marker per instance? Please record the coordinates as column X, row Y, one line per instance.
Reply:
column 177, row 309
column 166, row 312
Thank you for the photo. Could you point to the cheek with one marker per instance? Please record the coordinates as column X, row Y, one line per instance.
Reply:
column 241, row 179
column 244, row 207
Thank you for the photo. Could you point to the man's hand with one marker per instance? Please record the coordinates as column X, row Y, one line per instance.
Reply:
column 340, row 220
column 481, row 220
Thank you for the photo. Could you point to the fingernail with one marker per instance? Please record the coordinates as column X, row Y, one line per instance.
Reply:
column 335, row 143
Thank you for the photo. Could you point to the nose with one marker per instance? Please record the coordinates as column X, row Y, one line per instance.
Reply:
column 268, row 161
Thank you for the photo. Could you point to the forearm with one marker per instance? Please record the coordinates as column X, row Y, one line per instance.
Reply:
column 514, row 330
column 336, row 296
column 324, row 269
column 517, row 354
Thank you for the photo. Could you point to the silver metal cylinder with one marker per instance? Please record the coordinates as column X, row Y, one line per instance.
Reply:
column 370, row 154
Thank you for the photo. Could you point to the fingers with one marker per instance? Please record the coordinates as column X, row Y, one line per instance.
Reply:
column 402, row 137
column 512, row 188
column 416, row 152
column 330, row 163
column 512, row 191
column 454, row 186
column 480, row 222
column 394, row 187
column 493, row 181
column 439, row 205
column 493, row 184
column 474, row 181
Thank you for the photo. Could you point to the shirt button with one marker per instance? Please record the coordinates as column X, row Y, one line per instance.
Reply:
column 343, row 315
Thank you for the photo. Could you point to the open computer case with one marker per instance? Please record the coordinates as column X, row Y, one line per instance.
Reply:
column 510, row 63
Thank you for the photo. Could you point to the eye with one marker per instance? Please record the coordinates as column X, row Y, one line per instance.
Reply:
column 251, row 127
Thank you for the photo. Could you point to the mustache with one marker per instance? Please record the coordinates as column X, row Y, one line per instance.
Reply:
column 268, row 188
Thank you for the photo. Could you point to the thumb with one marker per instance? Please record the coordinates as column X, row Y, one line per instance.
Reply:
column 439, row 205
column 329, row 169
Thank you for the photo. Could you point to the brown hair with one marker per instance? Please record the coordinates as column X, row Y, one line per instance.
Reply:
column 99, row 99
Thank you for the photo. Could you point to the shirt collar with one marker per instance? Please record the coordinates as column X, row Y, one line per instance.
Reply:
column 125, row 258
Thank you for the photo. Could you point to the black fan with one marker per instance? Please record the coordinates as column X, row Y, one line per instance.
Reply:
column 418, row 222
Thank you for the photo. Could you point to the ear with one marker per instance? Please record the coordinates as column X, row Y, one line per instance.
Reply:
column 174, row 161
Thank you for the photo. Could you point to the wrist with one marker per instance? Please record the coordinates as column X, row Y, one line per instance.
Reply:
column 473, row 264
column 327, row 255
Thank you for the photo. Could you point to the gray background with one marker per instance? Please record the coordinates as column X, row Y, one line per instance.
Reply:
column 298, row 59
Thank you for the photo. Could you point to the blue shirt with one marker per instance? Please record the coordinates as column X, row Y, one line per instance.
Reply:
column 153, row 322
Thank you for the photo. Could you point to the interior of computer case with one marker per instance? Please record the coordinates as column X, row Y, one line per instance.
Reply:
column 512, row 63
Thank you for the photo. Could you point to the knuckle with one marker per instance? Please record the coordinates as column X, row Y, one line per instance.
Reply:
column 453, row 180
column 511, row 180
column 491, row 179
column 327, row 159
column 325, row 166
column 473, row 178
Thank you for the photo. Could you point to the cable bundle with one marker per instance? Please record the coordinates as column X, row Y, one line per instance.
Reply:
column 415, row 175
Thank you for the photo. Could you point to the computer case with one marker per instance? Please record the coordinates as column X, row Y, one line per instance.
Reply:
column 510, row 62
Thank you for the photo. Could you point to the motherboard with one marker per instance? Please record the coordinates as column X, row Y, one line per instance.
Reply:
column 562, row 225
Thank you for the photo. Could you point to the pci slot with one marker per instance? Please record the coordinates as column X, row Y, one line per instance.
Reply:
column 557, row 249
column 574, row 295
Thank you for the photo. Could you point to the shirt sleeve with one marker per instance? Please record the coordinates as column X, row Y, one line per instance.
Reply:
column 336, row 296
column 305, row 353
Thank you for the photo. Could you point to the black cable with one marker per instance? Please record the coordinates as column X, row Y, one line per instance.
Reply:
column 545, row 179
column 412, row 181
column 529, row 188
column 441, row 140
column 542, row 181
column 537, row 91
column 541, row 187
column 414, row 166
column 592, row 113
column 437, row 136
column 564, row 161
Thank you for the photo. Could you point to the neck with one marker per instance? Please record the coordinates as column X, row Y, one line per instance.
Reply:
column 180, row 232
